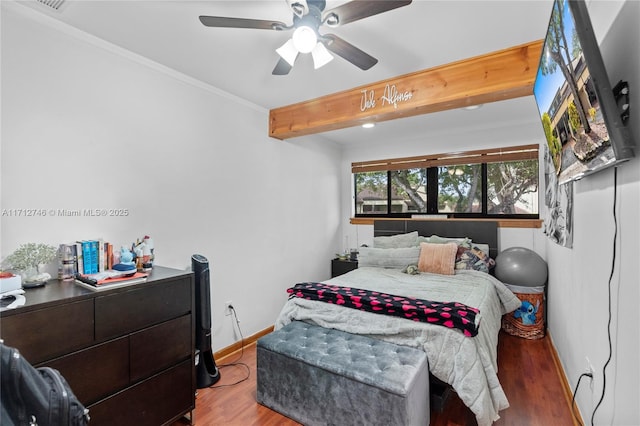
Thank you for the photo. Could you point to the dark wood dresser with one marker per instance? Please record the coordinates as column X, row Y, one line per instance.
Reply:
column 128, row 353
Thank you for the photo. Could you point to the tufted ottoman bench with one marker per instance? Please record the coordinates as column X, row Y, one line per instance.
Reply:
column 320, row 376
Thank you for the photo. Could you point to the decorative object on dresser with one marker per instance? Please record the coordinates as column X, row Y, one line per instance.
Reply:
column 127, row 353
column 26, row 260
column 524, row 272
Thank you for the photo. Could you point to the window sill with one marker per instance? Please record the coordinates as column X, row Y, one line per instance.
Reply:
column 502, row 223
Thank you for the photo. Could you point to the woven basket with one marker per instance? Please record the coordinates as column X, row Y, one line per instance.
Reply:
column 533, row 317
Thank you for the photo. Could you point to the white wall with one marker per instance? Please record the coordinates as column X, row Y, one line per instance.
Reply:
column 578, row 277
column 579, row 289
column 87, row 125
column 169, row 150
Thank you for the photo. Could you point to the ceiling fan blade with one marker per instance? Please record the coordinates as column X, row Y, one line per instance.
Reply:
column 282, row 68
column 359, row 9
column 349, row 52
column 259, row 24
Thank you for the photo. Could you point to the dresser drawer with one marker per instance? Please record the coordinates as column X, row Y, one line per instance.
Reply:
column 140, row 307
column 152, row 402
column 160, row 346
column 96, row 372
column 46, row 333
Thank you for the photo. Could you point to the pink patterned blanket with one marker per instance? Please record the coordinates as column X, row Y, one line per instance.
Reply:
column 448, row 314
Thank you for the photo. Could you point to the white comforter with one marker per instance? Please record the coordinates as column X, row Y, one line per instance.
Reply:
column 468, row 364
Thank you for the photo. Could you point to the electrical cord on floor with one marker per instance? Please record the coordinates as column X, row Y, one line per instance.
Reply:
column 575, row 391
column 613, row 265
column 236, row 362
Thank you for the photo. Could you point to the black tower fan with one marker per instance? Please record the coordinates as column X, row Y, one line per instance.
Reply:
column 206, row 370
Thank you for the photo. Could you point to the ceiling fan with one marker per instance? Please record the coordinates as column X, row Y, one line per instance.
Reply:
column 308, row 17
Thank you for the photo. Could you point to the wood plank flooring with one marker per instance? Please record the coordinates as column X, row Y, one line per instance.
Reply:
column 527, row 372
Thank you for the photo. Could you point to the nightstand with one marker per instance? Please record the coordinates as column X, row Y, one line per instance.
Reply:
column 339, row 267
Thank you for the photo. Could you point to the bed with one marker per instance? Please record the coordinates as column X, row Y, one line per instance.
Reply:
column 468, row 364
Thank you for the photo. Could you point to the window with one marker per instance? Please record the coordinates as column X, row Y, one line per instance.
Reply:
column 501, row 182
column 409, row 191
column 512, row 187
column 460, row 189
column 371, row 190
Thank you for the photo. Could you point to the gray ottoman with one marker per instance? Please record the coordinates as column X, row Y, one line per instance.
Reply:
column 321, row 376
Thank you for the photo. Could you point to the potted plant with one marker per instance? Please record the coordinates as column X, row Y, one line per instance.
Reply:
column 27, row 259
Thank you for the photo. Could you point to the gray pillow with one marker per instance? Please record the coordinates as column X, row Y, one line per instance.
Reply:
column 464, row 242
column 396, row 241
column 422, row 239
column 392, row 258
column 436, row 239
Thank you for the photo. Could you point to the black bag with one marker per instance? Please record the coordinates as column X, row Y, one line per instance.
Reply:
column 36, row 396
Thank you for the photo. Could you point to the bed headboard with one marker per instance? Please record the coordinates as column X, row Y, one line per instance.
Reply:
column 479, row 231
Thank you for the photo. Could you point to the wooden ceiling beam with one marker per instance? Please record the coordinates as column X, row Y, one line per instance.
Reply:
column 496, row 76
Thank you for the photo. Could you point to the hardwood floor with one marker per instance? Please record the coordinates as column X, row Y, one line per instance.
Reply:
column 527, row 372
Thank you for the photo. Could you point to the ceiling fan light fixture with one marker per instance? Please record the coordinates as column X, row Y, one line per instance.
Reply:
column 332, row 20
column 304, row 39
column 308, row 17
column 299, row 8
column 321, row 56
column 288, row 52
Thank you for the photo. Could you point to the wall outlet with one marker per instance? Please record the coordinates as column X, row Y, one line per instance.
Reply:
column 590, row 370
column 227, row 307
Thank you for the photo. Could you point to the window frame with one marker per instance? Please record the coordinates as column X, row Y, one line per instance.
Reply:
column 431, row 164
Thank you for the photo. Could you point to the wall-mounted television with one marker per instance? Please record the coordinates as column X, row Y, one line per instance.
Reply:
column 581, row 117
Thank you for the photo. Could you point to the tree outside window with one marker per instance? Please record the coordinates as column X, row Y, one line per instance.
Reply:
column 371, row 192
column 505, row 184
column 409, row 186
column 460, row 189
column 512, row 187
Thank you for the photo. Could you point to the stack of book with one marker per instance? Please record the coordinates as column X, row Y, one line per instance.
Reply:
column 92, row 256
column 110, row 279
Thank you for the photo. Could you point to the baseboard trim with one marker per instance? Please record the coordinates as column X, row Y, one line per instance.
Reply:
column 568, row 392
column 231, row 349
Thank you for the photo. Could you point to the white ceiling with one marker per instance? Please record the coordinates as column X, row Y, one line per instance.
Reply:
column 421, row 35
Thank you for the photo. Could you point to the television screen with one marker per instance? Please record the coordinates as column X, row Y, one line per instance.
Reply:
column 579, row 112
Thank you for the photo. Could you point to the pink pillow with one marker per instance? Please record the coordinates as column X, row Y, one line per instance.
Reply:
column 438, row 258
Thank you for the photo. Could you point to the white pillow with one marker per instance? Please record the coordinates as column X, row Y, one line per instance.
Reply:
column 436, row 239
column 483, row 247
column 464, row 242
column 396, row 241
column 392, row 258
